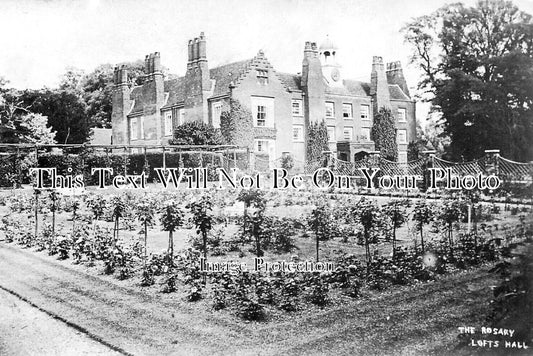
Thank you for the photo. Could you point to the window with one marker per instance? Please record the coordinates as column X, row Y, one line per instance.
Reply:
column 263, row 111
column 401, row 115
column 262, row 76
column 402, row 136
column 261, row 115
column 261, row 146
column 297, row 108
column 365, row 112
column 330, row 109
column 216, row 112
column 331, row 133
column 365, row 134
column 348, row 133
column 142, row 128
column 347, row 111
column 297, row 133
column 168, row 123
column 402, row 156
column 133, row 128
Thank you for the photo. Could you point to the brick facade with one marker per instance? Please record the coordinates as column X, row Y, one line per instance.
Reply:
column 282, row 104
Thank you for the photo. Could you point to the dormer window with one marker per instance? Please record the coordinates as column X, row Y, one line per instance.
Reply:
column 262, row 76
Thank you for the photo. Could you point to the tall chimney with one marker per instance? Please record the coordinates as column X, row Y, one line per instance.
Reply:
column 147, row 65
column 195, row 50
column 123, row 74
column 202, row 55
column 156, row 60
column 190, row 53
column 379, row 88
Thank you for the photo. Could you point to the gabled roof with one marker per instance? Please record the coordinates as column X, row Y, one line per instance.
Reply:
column 226, row 74
column 397, row 93
column 138, row 99
column 291, row 81
column 176, row 91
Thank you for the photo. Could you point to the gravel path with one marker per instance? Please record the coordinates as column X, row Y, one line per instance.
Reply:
column 25, row 330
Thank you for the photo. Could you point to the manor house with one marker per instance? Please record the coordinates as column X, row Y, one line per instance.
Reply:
column 282, row 104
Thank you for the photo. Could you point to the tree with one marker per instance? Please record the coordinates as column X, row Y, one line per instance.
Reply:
column 476, row 64
column 18, row 124
column 369, row 215
column 236, row 125
column 97, row 91
column 34, row 129
column 118, row 207
column 319, row 221
column 202, row 218
column 451, row 212
column 65, row 111
column 71, row 80
column 423, row 214
column 317, row 141
column 172, row 217
column 254, row 203
column 145, row 214
column 396, row 214
column 196, row 133
column 384, row 134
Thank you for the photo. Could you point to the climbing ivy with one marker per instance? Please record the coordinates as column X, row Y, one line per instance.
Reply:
column 384, row 134
column 236, row 125
column 317, row 140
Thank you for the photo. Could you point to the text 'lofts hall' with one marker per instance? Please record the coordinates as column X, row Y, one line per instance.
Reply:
column 282, row 104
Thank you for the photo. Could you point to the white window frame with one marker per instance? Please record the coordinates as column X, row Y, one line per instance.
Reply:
column 299, row 111
column 168, row 123
column 262, row 76
column 300, row 136
column 349, row 130
column 216, row 112
column 350, row 110
column 330, row 105
column 402, row 115
column 261, row 146
column 261, row 116
column 399, row 136
column 364, row 111
column 331, row 138
column 133, row 128
column 267, row 105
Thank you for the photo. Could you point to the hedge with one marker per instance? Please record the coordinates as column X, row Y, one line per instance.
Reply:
column 14, row 170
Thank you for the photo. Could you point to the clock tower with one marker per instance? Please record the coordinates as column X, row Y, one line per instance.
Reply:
column 330, row 67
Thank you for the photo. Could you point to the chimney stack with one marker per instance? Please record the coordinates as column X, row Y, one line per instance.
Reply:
column 379, row 87
column 195, row 50
column 395, row 76
column 198, row 83
column 156, row 63
column 120, row 75
column 202, row 55
column 147, row 65
column 190, row 54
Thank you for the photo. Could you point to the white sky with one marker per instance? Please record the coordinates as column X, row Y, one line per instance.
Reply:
column 40, row 38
